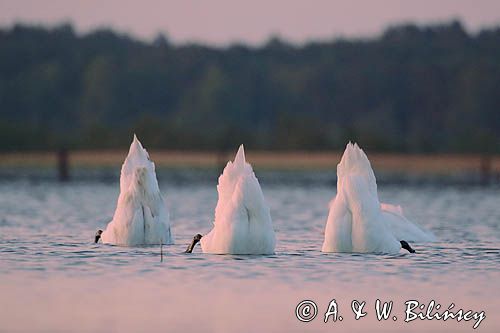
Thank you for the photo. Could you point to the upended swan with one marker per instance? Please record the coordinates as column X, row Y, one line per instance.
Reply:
column 242, row 218
column 141, row 217
column 357, row 221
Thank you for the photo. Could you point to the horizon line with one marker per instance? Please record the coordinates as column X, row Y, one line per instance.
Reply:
column 362, row 37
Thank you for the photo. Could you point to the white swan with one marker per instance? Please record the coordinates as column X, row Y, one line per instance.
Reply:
column 242, row 218
column 141, row 216
column 357, row 221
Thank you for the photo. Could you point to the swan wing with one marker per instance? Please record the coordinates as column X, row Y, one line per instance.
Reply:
column 338, row 231
column 401, row 227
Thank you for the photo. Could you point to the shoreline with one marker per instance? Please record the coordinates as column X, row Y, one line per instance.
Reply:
column 294, row 160
column 298, row 166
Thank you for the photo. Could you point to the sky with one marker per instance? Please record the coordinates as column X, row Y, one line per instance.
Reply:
column 222, row 22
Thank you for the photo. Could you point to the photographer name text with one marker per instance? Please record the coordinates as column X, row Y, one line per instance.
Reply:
column 307, row 311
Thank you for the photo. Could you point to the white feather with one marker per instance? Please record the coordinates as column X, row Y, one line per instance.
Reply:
column 242, row 218
column 141, row 217
column 357, row 222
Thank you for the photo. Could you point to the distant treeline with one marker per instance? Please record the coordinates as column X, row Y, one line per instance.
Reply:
column 418, row 89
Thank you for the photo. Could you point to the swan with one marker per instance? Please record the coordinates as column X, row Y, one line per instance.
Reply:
column 141, row 217
column 243, row 222
column 357, row 221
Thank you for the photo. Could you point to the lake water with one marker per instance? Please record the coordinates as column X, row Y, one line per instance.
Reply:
column 54, row 279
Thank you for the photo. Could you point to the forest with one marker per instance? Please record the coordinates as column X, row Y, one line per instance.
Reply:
column 412, row 89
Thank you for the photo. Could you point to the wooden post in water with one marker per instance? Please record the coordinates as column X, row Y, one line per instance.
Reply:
column 161, row 250
column 63, row 165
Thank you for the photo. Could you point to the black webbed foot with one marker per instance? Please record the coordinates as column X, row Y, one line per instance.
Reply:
column 191, row 246
column 98, row 235
column 406, row 246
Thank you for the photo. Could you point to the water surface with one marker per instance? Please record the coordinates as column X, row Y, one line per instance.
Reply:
column 53, row 278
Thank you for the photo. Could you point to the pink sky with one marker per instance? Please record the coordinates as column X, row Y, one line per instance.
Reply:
column 225, row 21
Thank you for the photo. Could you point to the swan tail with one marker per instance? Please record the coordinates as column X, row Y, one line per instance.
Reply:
column 355, row 162
column 141, row 216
